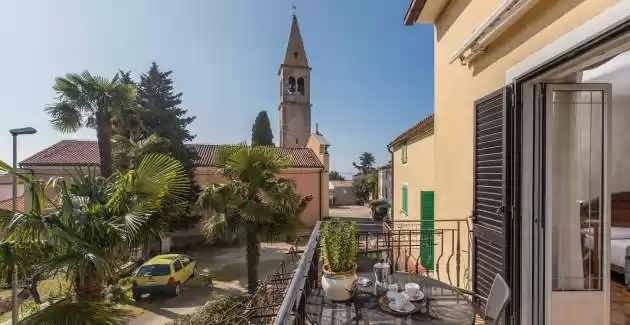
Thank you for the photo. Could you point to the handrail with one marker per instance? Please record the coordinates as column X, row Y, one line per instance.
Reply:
column 285, row 313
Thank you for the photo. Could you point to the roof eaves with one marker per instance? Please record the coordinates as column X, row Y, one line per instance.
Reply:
column 413, row 11
column 423, row 126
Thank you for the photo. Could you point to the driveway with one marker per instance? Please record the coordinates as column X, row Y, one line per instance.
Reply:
column 228, row 266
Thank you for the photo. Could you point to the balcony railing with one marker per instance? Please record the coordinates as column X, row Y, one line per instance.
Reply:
column 439, row 250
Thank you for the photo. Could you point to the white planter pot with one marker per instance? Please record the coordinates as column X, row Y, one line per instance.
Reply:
column 338, row 286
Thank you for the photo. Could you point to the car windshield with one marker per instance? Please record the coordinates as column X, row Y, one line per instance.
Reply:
column 154, row 270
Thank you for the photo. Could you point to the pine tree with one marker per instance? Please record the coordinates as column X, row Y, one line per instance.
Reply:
column 261, row 131
column 160, row 114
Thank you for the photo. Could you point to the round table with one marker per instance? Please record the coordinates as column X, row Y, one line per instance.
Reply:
column 443, row 305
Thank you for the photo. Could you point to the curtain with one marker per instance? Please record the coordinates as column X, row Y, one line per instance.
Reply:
column 576, row 178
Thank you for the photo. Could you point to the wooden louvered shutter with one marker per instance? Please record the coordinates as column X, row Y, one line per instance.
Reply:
column 496, row 195
column 427, row 230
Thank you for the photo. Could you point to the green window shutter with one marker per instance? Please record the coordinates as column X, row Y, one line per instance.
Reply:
column 404, row 199
column 427, row 230
column 404, row 153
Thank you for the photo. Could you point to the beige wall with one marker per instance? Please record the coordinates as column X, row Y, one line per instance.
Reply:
column 544, row 23
column 324, row 157
column 417, row 173
column 344, row 195
column 307, row 181
column 457, row 87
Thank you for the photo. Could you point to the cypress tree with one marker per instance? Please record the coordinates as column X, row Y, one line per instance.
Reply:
column 261, row 131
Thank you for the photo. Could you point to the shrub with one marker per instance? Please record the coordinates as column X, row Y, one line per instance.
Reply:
column 339, row 246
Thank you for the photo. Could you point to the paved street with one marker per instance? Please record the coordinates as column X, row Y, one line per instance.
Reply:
column 357, row 213
column 230, row 278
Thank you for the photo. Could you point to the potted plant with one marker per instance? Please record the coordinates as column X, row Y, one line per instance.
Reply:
column 338, row 250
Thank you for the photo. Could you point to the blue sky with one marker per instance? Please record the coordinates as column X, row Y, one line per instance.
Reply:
column 372, row 77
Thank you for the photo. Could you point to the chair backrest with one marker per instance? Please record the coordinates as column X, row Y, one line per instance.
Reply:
column 497, row 300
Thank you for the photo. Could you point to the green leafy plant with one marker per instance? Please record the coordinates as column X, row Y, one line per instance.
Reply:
column 339, row 246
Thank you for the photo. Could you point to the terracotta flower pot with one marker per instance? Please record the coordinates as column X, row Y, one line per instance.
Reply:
column 338, row 285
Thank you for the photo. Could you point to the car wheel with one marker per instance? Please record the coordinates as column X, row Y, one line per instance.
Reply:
column 177, row 290
column 136, row 296
column 194, row 272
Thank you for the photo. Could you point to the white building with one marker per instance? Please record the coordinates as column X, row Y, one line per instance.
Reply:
column 385, row 182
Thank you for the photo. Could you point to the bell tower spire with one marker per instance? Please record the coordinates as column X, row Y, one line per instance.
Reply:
column 295, row 52
column 295, row 95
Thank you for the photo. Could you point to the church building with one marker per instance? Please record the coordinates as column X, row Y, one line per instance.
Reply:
column 308, row 149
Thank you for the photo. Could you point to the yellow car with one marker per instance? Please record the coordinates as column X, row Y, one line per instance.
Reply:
column 163, row 274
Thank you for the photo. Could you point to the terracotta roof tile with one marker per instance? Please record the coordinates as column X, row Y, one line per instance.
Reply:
column 85, row 153
column 424, row 124
column 8, row 204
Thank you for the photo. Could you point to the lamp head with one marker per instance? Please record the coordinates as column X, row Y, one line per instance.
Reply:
column 20, row 131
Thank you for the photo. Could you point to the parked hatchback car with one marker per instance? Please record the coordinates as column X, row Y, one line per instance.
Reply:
column 379, row 209
column 163, row 274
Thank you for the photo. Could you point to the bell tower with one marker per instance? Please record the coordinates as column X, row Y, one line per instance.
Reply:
column 295, row 92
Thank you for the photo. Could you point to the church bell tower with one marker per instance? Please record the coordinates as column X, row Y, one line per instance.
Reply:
column 295, row 92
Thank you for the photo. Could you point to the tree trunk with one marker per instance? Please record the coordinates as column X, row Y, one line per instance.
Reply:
column 9, row 278
column 104, row 137
column 253, row 253
column 34, row 291
column 88, row 290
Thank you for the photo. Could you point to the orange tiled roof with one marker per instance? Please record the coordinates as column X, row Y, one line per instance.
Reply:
column 8, row 204
column 85, row 153
column 424, row 124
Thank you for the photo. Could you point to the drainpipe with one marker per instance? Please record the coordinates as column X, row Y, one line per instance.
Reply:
column 391, row 184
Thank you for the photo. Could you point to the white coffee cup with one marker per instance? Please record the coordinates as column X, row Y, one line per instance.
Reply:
column 402, row 299
column 412, row 289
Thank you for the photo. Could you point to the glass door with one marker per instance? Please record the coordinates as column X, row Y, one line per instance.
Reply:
column 574, row 206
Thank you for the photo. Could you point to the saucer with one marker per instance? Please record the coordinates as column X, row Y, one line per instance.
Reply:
column 409, row 307
column 419, row 296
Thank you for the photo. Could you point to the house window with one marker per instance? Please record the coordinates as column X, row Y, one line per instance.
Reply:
column 403, row 197
column 404, row 153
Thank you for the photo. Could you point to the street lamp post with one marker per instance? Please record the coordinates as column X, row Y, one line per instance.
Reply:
column 15, row 314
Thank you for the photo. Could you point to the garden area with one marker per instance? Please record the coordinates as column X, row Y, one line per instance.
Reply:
column 79, row 231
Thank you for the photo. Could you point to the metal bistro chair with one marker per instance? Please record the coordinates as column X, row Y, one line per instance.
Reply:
column 496, row 301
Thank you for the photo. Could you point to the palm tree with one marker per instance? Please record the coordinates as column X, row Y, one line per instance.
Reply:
column 91, row 101
column 255, row 205
column 93, row 223
column 128, row 152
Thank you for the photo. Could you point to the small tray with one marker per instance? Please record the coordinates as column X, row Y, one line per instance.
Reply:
column 383, row 302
